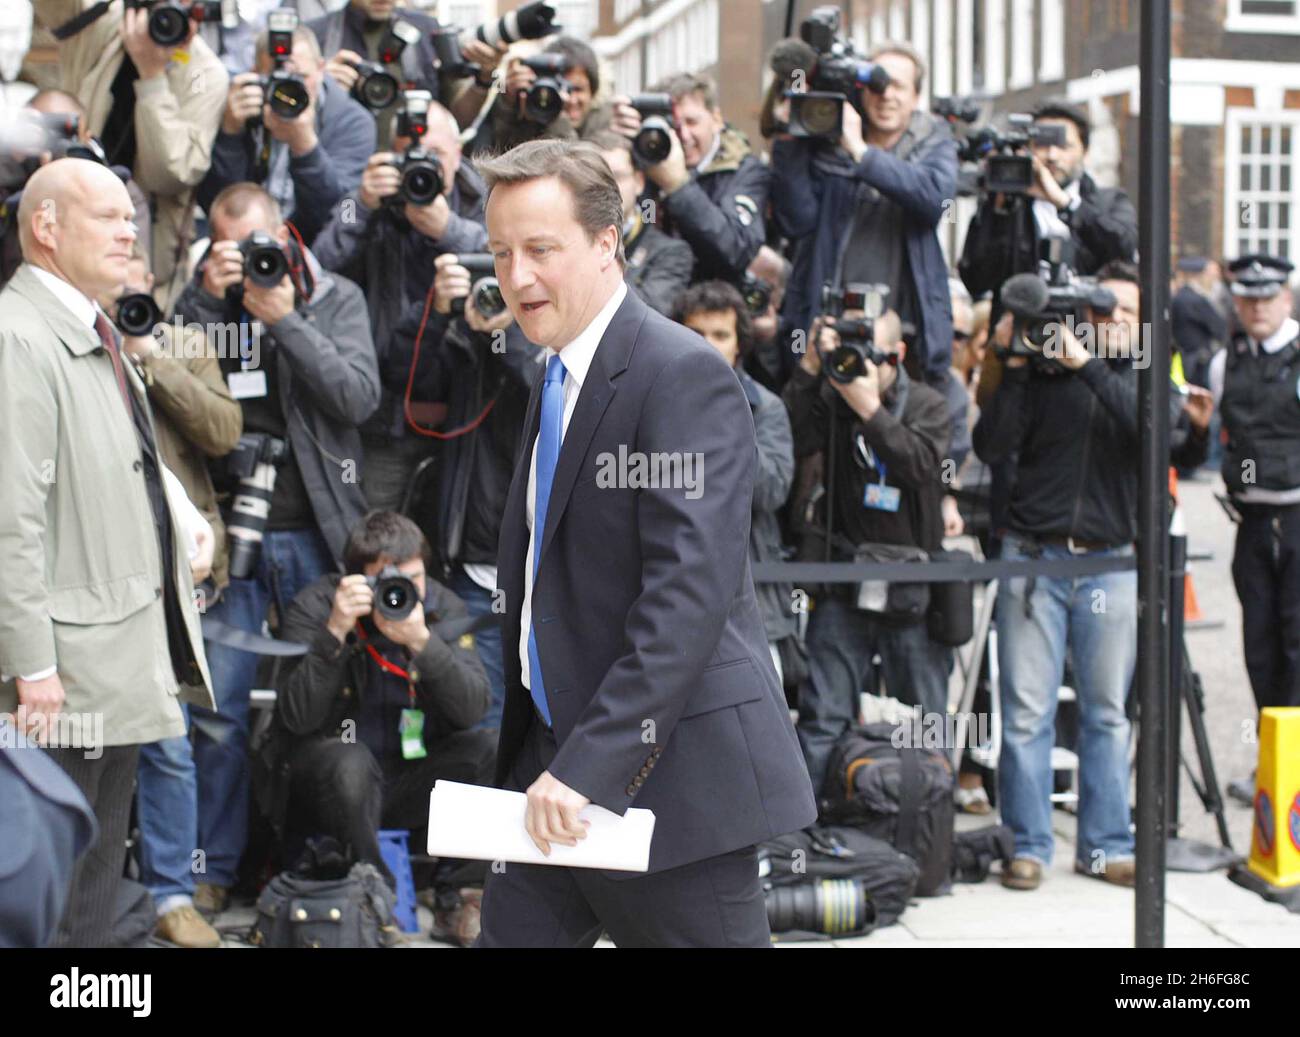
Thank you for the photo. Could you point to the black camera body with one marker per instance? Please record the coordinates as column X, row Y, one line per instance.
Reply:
column 169, row 20
column 654, row 141
column 1040, row 301
column 532, row 21
column 253, row 464
column 485, row 289
column 544, row 100
column 285, row 91
column 422, row 179
column 395, row 593
column 757, row 294
column 837, row 75
column 137, row 314
column 857, row 348
column 265, row 263
column 1006, row 165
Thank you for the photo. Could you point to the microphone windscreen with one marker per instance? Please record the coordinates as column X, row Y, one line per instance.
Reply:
column 789, row 55
column 1025, row 295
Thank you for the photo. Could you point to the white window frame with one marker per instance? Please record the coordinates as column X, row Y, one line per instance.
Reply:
column 1051, row 64
column 1235, row 119
column 965, row 47
column 1261, row 23
column 941, row 58
column 1022, row 45
column 921, row 41
column 995, row 54
column 897, row 21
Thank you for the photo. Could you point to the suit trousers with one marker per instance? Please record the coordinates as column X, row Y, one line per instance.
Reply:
column 108, row 784
column 715, row 902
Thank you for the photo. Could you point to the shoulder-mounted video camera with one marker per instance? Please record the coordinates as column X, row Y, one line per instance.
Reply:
column 1004, row 163
column 1042, row 301
column 838, row 74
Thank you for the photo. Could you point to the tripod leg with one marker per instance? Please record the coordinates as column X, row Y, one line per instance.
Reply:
column 1194, row 699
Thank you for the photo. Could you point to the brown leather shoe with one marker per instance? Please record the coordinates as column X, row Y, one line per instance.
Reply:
column 210, row 900
column 459, row 924
column 185, row 927
column 1023, row 873
column 1117, row 873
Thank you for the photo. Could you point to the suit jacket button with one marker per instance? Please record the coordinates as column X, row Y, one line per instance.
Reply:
column 136, row 466
column 630, row 790
column 645, row 772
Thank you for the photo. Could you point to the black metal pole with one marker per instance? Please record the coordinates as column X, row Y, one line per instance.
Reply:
column 789, row 18
column 1153, row 483
column 1177, row 602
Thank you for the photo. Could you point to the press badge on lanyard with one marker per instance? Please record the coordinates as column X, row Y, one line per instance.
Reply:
column 877, row 495
column 245, row 384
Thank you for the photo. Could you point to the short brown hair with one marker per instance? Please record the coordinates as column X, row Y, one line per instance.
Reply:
column 579, row 166
column 907, row 51
column 687, row 83
column 383, row 534
column 235, row 200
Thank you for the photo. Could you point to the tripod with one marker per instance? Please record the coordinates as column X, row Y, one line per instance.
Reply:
column 1185, row 684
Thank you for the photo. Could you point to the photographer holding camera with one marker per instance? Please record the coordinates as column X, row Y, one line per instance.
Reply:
column 1070, row 414
column 154, row 106
column 658, row 267
column 377, row 41
column 1064, row 203
column 382, row 665
column 864, row 205
column 305, row 377
column 476, row 363
column 878, row 437
column 412, row 207
column 711, row 188
column 301, row 137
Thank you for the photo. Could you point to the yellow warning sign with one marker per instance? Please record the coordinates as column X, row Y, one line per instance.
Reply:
column 1275, row 841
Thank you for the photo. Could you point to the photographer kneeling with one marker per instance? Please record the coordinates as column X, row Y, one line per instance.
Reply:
column 381, row 705
column 883, row 436
column 1073, row 421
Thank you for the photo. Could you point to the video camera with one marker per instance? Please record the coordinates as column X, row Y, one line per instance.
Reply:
column 485, row 290
column 654, row 141
column 285, row 91
column 169, row 20
column 1053, row 296
column 1005, row 165
column 838, row 74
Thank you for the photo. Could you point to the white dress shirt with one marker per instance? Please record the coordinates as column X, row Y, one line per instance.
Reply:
column 576, row 357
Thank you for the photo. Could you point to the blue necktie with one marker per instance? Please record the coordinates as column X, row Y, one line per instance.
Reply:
column 550, row 433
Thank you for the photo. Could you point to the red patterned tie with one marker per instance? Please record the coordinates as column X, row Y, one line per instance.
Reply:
column 109, row 339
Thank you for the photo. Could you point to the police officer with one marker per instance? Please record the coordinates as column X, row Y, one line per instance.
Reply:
column 1256, row 384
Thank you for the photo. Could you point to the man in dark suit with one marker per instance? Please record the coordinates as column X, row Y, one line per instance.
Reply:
column 637, row 671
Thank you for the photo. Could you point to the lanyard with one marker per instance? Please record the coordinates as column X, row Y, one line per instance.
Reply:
column 385, row 665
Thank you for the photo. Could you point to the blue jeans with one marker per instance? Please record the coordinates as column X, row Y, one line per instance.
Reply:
column 1095, row 617
column 842, row 643
column 487, row 642
column 167, row 812
column 290, row 560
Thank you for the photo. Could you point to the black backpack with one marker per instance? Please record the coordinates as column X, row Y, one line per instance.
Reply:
column 900, row 795
column 829, row 881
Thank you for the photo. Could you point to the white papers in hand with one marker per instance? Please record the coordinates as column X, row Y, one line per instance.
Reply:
column 480, row 823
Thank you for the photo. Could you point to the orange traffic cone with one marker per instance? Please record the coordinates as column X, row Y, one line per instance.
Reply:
column 1191, row 607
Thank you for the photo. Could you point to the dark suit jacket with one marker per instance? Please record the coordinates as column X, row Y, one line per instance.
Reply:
column 658, row 675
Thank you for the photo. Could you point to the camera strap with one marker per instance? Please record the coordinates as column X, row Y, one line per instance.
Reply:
column 384, row 664
column 78, row 22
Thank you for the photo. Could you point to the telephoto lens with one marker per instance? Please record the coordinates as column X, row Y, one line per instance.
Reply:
column 832, row 906
column 253, row 462
column 485, row 289
column 530, row 22
column 265, row 263
column 374, row 88
column 395, row 593
column 138, row 314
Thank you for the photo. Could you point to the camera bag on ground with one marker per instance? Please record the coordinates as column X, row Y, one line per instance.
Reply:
column 828, row 881
column 973, row 853
column 324, row 903
column 902, row 795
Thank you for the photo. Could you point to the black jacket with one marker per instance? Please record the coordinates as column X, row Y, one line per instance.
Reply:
column 1077, row 440
column 1199, row 328
column 719, row 213
column 658, row 267
column 1002, row 243
column 656, row 666
column 461, row 509
column 328, row 383
column 317, row 692
column 393, row 262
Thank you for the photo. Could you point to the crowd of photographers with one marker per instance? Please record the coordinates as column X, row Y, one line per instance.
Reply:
column 342, row 392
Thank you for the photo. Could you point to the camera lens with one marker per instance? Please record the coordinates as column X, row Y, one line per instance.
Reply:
column 845, row 364
column 378, row 90
column 266, row 266
column 652, row 144
column 137, row 314
column 421, row 184
column 543, row 104
column 488, row 299
column 288, row 98
column 820, row 116
column 167, row 26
